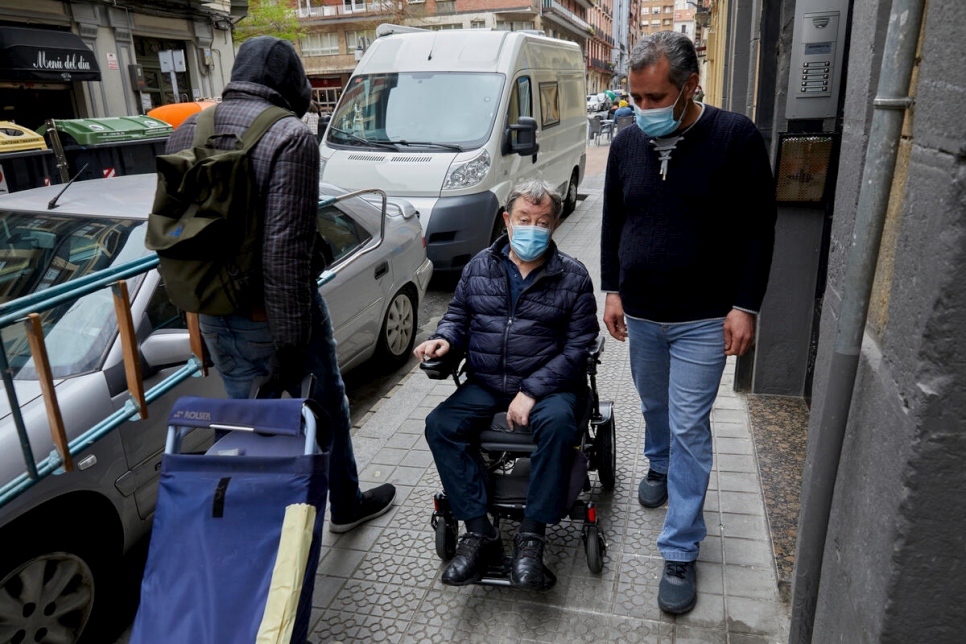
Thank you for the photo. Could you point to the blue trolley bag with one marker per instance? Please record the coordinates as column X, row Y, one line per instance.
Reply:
column 218, row 522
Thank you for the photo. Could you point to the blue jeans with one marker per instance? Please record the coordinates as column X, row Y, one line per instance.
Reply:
column 677, row 369
column 452, row 429
column 243, row 351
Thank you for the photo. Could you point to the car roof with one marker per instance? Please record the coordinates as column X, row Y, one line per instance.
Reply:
column 129, row 197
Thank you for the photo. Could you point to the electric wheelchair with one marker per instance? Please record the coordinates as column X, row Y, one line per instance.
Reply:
column 505, row 455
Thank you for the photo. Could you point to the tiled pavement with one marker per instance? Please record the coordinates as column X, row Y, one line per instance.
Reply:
column 380, row 582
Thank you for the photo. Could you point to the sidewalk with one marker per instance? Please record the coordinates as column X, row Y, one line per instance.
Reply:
column 380, row 582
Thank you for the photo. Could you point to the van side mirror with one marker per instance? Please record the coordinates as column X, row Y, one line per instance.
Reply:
column 526, row 143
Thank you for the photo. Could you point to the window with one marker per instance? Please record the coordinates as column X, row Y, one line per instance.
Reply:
column 521, row 103
column 655, row 23
column 514, row 25
column 645, row 11
column 319, row 44
column 355, row 38
column 477, row 24
column 354, row 5
column 667, row 22
column 444, row 27
column 340, row 232
column 549, row 104
column 327, row 97
column 668, row 9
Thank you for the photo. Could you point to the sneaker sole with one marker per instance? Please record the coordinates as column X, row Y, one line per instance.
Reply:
column 652, row 505
column 675, row 610
column 339, row 528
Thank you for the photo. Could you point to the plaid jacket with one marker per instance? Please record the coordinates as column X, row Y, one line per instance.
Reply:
column 286, row 162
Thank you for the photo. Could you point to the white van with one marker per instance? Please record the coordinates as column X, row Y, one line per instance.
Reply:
column 451, row 119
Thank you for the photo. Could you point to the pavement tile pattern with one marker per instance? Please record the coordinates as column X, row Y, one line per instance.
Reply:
column 380, row 582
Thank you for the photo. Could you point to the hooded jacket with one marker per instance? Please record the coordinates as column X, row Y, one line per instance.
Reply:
column 540, row 347
column 267, row 72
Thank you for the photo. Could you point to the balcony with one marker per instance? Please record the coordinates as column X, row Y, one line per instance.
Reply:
column 599, row 65
column 556, row 12
column 345, row 9
column 586, row 4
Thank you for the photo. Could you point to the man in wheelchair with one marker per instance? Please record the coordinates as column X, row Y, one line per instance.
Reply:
column 524, row 315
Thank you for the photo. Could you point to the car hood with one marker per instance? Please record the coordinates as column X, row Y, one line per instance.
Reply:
column 27, row 392
column 400, row 174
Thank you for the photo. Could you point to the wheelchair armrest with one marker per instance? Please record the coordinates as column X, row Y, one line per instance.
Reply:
column 443, row 367
column 597, row 348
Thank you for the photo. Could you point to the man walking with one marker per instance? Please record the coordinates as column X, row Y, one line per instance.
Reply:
column 686, row 246
column 289, row 334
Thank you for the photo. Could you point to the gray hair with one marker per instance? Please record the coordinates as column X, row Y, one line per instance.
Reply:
column 676, row 46
column 534, row 191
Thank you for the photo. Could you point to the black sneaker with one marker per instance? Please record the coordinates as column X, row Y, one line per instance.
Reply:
column 474, row 554
column 374, row 503
column 652, row 492
column 678, row 592
column 526, row 570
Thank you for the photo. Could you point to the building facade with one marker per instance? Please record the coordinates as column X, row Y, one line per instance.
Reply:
column 657, row 15
column 94, row 59
column 335, row 33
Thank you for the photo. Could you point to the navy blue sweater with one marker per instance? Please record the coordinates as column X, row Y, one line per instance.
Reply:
column 699, row 243
column 539, row 346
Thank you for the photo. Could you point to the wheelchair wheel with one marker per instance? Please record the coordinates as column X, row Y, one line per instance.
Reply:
column 445, row 539
column 607, row 455
column 594, row 547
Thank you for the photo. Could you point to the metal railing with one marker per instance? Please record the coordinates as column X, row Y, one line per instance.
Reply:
column 552, row 7
column 26, row 310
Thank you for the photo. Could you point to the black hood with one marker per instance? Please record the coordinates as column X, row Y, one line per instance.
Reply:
column 273, row 62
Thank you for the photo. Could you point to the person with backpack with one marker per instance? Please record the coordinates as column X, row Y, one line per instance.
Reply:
column 265, row 316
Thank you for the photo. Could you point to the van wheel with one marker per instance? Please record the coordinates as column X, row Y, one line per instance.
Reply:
column 398, row 329
column 570, row 201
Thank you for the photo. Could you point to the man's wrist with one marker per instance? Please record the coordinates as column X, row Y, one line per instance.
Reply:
column 739, row 308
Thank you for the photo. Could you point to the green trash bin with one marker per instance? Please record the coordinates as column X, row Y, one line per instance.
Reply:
column 112, row 146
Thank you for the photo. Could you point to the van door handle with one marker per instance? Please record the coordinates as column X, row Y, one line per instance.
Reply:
column 382, row 269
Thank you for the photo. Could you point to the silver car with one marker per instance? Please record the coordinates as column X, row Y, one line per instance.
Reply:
column 63, row 537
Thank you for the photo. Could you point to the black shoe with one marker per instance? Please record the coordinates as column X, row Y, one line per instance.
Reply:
column 678, row 592
column 526, row 570
column 652, row 492
column 474, row 553
column 374, row 503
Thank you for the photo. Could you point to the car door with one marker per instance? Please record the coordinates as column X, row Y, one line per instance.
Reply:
column 355, row 296
column 143, row 440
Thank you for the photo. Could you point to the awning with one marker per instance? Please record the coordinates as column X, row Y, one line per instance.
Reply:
column 45, row 55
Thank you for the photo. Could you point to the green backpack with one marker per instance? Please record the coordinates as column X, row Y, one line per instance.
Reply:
column 205, row 223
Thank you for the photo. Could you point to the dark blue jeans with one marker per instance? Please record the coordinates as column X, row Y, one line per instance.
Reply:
column 452, row 429
column 243, row 351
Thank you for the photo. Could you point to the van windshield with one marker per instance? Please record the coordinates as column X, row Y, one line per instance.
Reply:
column 414, row 109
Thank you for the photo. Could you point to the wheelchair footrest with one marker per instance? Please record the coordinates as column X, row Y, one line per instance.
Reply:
column 499, row 575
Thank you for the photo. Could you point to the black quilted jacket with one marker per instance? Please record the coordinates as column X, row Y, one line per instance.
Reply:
column 541, row 347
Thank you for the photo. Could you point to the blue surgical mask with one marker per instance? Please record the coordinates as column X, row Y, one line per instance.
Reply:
column 660, row 120
column 529, row 242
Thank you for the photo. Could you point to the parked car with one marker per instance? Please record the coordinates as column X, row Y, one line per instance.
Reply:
column 63, row 537
column 593, row 103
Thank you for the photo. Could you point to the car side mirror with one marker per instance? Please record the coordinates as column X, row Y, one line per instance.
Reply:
column 166, row 348
column 526, row 139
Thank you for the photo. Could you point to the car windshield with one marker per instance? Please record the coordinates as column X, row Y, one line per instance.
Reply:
column 425, row 109
column 40, row 251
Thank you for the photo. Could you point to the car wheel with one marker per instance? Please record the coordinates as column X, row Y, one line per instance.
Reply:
column 54, row 593
column 570, row 201
column 398, row 328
